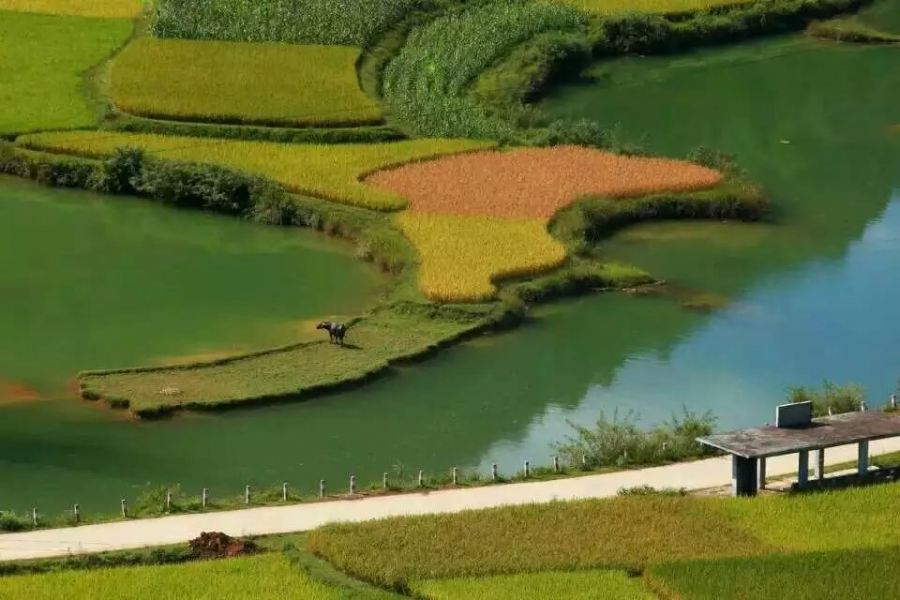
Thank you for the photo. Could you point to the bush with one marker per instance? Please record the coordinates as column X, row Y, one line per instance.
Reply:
column 119, row 174
column 11, row 522
column 619, row 442
column 831, row 399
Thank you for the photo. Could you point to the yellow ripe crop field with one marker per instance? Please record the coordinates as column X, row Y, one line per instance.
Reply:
column 462, row 256
column 333, row 172
column 264, row 577
column 236, row 82
column 611, row 7
column 113, row 9
column 578, row 585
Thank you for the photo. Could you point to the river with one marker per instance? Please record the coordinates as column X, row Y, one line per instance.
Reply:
column 812, row 295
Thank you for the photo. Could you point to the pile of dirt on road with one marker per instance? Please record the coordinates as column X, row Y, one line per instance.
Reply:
column 219, row 545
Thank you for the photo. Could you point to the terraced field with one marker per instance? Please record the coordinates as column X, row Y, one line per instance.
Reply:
column 113, row 9
column 220, row 81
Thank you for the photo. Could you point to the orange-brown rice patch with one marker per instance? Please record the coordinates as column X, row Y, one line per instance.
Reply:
column 535, row 183
column 17, row 392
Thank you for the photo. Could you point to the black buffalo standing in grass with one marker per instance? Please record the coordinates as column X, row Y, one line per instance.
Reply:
column 336, row 331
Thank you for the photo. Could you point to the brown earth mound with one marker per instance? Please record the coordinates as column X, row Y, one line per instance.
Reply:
column 535, row 182
column 220, row 545
column 16, row 391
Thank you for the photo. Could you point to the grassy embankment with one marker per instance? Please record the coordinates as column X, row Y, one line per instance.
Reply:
column 43, row 60
column 639, row 535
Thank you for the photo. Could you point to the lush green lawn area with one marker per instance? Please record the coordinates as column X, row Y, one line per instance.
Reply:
column 611, row 7
column 119, row 9
column 629, row 533
column 42, row 60
column 859, row 574
column 372, row 344
column 582, row 585
column 264, row 577
column 270, row 84
column 331, row 172
column 349, row 22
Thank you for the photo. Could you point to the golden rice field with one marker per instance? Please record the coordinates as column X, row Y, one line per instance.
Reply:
column 535, row 183
column 611, row 7
column 265, row 577
column 463, row 256
column 333, row 172
column 580, row 585
column 114, row 9
column 235, row 82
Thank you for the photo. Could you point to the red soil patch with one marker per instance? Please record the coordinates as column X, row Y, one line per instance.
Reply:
column 18, row 392
column 534, row 183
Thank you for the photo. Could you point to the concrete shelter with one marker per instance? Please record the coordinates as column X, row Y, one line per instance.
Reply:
column 796, row 432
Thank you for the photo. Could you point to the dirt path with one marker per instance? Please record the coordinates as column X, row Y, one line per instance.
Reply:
column 710, row 473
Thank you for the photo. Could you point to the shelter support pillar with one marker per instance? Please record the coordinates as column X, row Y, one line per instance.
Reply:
column 803, row 470
column 745, row 475
column 863, row 463
column 819, row 464
column 761, row 480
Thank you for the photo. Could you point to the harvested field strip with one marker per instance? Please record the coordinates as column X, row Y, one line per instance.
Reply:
column 115, row 9
column 42, row 61
column 330, row 172
column 372, row 345
column 265, row 577
column 621, row 533
column 462, row 256
column 612, row 7
column 585, row 585
column 535, row 183
column 268, row 84
column 348, row 22
column 863, row 574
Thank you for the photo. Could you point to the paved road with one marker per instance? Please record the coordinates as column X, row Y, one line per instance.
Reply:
column 710, row 473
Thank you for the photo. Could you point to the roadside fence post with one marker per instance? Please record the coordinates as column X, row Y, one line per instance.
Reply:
column 321, row 488
column 34, row 518
column 455, row 476
column 204, row 498
column 247, row 494
column 421, row 478
column 124, row 508
column 352, row 484
column 556, row 464
column 168, row 501
column 527, row 470
column 494, row 473
column 384, row 481
column 76, row 513
column 584, row 461
column 284, row 491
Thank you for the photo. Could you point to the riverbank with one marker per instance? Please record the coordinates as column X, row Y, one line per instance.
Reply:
column 90, row 539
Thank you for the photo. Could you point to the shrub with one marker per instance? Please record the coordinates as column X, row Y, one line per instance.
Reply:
column 831, row 399
column 119, row 174
column 619, row 442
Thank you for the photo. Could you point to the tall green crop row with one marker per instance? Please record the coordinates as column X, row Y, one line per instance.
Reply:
column 427, row 85
column 344, row 22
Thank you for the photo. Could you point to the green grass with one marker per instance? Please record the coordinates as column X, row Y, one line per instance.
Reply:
column 325, row 171
column 622, row 533
column 268, row 84
column 348, row 22
column 427, row 85
column 373, row 344
column 264, row 577
column 869, row 573
column 630, row 533
column 586, row 585
column 613, row 7
column 42, row 61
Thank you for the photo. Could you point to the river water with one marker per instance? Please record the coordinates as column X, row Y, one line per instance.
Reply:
column 812, row 295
